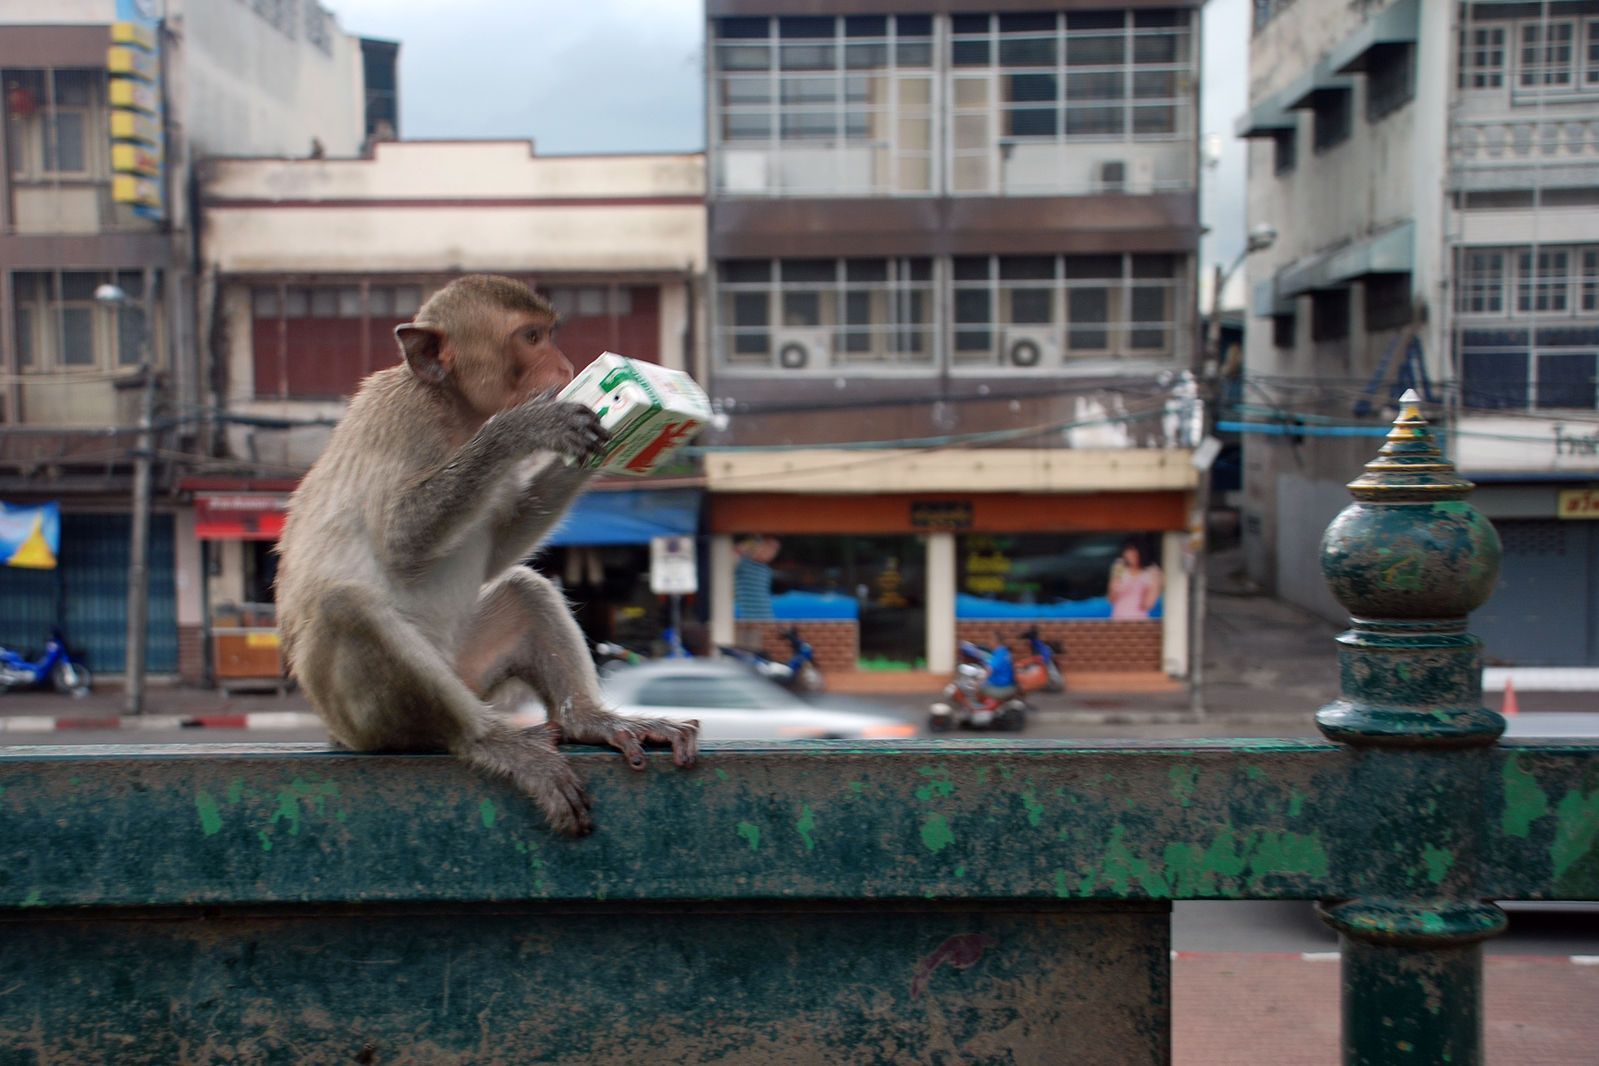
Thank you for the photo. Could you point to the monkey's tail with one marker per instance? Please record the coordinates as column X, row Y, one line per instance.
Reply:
column 529, row 760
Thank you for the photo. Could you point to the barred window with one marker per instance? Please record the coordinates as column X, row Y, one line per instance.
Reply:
column 1521, row 369
column 818, row 314
column 1033, row 312
column 1546, row 55
column 1482, row 282
column 1542, row 283
column 1482, row 57
column 1390, row 80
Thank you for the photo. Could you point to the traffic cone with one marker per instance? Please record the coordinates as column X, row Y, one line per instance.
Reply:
column 1509, row 707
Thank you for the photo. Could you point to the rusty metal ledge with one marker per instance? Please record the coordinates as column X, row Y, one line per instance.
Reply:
column 1002, row 821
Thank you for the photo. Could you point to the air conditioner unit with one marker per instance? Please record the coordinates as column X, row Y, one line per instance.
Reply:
column 802, row 349
column 1030, row 349
column 1111, row 175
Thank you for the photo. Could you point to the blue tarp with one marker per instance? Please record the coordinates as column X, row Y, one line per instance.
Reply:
column 796, row 606
column 981, row 609
column 631, row 516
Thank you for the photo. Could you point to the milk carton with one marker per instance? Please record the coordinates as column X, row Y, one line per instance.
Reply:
column 650, row 411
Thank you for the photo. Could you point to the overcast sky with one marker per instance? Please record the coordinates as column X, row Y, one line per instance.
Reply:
column 624, row 76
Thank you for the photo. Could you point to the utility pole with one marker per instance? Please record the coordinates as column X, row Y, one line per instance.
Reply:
column 143, row 459
column 139, row 543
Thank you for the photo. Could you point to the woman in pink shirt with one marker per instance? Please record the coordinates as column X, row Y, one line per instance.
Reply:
column 1134, row 587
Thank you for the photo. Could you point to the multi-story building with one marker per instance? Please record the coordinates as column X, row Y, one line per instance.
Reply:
column 106, row 107
column 1432, row 170
column 310, row 264
column 952, row 249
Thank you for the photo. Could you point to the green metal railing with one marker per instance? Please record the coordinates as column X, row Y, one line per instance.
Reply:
column 937, row 901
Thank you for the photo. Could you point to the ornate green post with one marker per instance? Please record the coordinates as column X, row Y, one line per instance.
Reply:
column 1409, row 559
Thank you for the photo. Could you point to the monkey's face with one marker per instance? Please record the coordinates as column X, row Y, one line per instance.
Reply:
column 534, row 362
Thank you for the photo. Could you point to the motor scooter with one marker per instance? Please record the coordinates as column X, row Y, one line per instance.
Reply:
column 983, row 694
column 56, row 667
column 1039, row 672
column 799, row 674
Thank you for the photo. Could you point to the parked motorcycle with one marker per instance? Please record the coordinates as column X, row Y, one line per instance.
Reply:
column 610, row 657
column 1039, row 672
column 56, row 667
column 799, row 674
column 984, row 693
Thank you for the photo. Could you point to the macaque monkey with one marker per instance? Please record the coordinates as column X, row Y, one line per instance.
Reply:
column 401, row 595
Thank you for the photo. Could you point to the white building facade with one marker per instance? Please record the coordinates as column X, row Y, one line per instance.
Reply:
column 1432, row 173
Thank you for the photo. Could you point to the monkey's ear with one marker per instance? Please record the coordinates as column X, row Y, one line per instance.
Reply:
column 424, row 352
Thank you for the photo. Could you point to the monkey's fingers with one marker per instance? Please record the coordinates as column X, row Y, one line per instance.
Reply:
column 686, row 744
column 632, row 750
column 567, row 806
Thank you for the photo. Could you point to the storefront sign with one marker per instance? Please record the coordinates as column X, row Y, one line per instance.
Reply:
column 240, row 515
column 1579, row 503
column 672, row 567
column 138, row 152
column 1524, row 443
column 945, row 515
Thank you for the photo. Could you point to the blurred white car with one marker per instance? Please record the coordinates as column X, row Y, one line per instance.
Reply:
column 732, row 703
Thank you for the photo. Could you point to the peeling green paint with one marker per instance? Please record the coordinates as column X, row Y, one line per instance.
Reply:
column 1525, row 802
column 33, row 899
column 1183, row 780
column 936, row 834
column 1438, row 861
column 960, row 871
column 236, row 790
column 1296, row 802
column 857, row 787
column 1035, row 810
column 940, row 785
column 751, row 833
column 1062, row 890
column 1254, row 773
column 487, row 812
column 210, row 817
column 721, row 774
column 1576, row 826
column 806, row 823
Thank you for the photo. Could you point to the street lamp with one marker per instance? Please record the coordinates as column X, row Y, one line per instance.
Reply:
column 139, row 541
column 1260, row 238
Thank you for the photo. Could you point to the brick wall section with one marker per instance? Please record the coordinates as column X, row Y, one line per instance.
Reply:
column 1123, row 646
column 191, row 655
column 836, row 645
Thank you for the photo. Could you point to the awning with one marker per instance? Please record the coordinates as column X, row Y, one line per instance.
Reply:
column 629, row 516
column 1390, row 252
column 1398, row 24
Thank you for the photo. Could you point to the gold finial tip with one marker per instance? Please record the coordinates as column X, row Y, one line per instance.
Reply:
column 1411, row 397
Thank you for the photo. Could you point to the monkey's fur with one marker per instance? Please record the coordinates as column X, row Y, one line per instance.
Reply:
column 401, row 595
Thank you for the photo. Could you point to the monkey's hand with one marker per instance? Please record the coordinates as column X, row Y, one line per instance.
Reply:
column 550, row 425
column 529, row 759
column 630, row 735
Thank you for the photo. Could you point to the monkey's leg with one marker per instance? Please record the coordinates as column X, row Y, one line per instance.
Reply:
column 381, row 685
column 522, row 628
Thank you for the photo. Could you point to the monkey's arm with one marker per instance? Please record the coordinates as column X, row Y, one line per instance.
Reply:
column 427, row 519
column 539, row 506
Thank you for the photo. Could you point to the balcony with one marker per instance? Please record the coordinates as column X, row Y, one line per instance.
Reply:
column 1524, row 153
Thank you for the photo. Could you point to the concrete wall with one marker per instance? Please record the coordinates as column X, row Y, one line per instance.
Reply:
column 457, row 206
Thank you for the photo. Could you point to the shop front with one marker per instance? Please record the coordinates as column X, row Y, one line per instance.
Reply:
column 599, row 556
column 893, row 581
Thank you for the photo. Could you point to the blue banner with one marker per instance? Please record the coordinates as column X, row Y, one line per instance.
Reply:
column 30, row 536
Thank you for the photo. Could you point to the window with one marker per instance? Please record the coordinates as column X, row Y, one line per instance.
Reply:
column 1590, row 67
column 1546, row 368
column 53, row 131
column 1387, row 301
column 816, row 314
column 1589, row 279
column 1100, row 75
column 1063, row 307
column 824, row 105
column 1333, row 120
column 1482, row 282
column 1390, row 80
column 1541, row 281
column 1545, row 55
column 1282, row 331
column 61, row 327
column 590, row 301
column 1329, row 314
column 1482, row 57
column 1285, row 151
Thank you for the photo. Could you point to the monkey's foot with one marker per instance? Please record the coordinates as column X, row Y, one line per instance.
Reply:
column 630, row 735
column 528, row 759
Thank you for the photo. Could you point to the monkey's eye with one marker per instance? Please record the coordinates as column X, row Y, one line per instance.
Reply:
column 533, row 335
